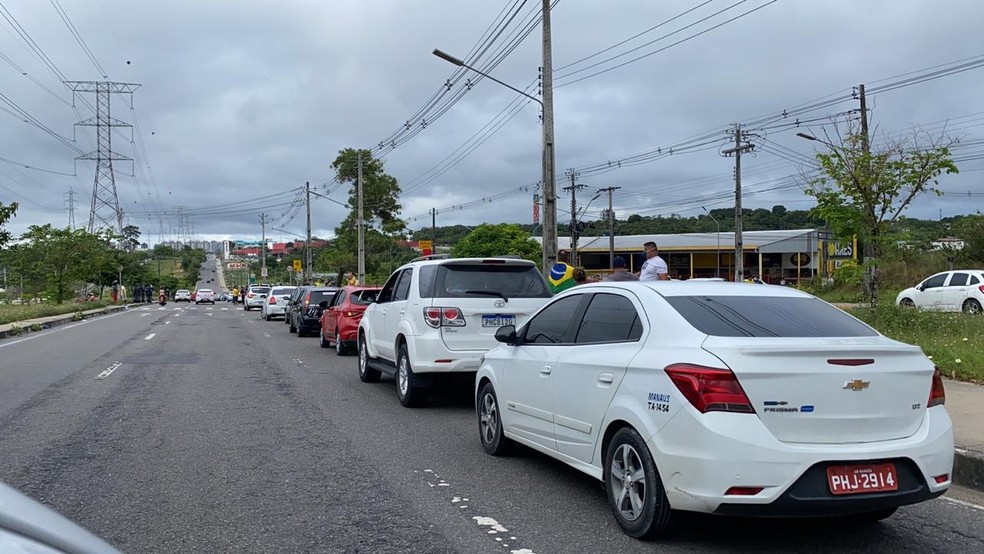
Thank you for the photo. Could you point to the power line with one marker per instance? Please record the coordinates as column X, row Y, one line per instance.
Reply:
column 78, row 37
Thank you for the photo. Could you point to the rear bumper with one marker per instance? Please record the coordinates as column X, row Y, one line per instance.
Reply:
column 273, row 310
column 428, row 354
column 699, row 458
column 310, row 323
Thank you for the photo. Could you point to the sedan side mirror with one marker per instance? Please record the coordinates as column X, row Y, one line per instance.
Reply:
column 920, row 288
column 506, row 334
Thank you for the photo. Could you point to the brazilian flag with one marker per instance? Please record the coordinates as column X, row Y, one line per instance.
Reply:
column 561, row 277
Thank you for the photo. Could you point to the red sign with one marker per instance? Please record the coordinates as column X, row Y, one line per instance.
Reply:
column 862, row 478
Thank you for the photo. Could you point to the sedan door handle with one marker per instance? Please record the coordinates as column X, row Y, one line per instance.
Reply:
column 606, row 378
column 546, row 370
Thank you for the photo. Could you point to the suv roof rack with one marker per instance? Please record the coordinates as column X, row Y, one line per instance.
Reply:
column 432, row 257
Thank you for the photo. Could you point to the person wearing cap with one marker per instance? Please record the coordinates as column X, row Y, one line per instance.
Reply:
column 561, row 275
column 618, row 271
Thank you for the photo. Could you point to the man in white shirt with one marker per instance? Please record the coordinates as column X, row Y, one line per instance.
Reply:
column 654, row 268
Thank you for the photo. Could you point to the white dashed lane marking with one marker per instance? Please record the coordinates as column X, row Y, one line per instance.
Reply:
column 150, row 336
column 109, row 370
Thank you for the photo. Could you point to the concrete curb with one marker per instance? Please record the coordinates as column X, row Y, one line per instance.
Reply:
column 968, row 468
column 56, row 320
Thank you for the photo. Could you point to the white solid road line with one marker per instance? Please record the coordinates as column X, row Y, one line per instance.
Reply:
column 49, row 332
column 144, row 315
column 965, row 504
column 150, row 336
column 109, row 370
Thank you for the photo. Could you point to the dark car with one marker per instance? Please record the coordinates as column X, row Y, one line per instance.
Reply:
column 304, row 311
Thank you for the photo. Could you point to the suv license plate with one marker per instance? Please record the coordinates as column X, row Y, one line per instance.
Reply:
column 498, row 320
column 862, row 478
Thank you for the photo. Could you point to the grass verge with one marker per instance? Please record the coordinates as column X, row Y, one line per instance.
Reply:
column 10, row 313
column 954, row 341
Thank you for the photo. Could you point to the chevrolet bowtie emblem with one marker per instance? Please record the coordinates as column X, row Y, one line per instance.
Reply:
column 857, row 385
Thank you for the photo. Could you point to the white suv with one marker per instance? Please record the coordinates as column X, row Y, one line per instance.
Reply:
column 440, row 316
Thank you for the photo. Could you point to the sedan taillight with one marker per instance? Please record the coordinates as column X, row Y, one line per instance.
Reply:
column 937, row 396
column 710, row 389
column 273, row 299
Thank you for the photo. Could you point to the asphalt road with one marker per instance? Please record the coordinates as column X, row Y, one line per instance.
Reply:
column 218, row 432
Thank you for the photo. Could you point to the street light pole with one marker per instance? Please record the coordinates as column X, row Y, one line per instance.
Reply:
column 717, row 270
column 547, row 163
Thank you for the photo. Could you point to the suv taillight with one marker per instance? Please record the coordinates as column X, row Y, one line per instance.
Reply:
column 981, row 288
column 710, row 389
column 437, row 316
column 937, row 396
column 273, row 299
column 250, row 295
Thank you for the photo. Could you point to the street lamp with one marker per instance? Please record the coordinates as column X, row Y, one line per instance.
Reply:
column 547, row 163
column 717, row 269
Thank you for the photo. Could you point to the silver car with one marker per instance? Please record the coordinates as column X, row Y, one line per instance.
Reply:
column 255, row 296
column 275, row 303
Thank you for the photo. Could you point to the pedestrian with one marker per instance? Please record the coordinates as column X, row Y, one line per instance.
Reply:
column 783, row 283
column 352, row 279
column 242, row 295
column 235, row 295
column 654, row 268
column 115, row 292
column 579, row 275
column 123, row 297
column 619, row 272
column 561, row 275
column 149, row 290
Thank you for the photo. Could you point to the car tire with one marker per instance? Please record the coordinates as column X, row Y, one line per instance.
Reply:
column 340, row 349
column 907, row 303
column 408, row 391
column 245, row 307
column 971, row 306
column 301, row 333
column 490, row 423
column 366, row 373
column 322, row 341
column 268, row 317
column 634, row 488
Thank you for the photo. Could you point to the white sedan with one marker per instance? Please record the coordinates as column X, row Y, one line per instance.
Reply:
column 948, row 291
column 721, row 398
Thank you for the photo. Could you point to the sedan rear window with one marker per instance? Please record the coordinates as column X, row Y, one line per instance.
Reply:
column 485, row 280
column 364, row 297
column 767, row 316
column 260, row 290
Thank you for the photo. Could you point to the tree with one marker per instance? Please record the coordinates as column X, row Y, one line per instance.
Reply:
column 971, row 230
column 381, row 208
column 6, row 212
column 58, row 257
column 497, row 240
column 863, row 191
column 131, row 237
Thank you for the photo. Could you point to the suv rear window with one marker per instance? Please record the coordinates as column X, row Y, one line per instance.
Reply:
column 282, row 291
column 767, row 316
column 469, row 280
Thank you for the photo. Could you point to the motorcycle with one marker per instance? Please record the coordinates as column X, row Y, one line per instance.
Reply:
column 162, row 299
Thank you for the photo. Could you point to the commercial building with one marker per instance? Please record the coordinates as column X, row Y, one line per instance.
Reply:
column 795, row 254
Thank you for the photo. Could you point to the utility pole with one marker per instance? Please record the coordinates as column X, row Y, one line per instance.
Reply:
column 71, row 208
column 864, row 120
column 611, row 227
column 737, row 151
column 362, row 232
column 263, row 270
column 573, row 188
column 549, row 183
column 869, row 250
column 105, row 212
column 307, row 251
column 433, row 230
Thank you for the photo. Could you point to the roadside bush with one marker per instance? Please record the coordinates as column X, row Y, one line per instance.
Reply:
column 16, row 330
column 36, row 327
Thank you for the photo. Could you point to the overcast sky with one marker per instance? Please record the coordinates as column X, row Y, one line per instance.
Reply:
column 248, row 99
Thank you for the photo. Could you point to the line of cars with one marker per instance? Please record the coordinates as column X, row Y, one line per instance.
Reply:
column 331, row 313
column 722, row 398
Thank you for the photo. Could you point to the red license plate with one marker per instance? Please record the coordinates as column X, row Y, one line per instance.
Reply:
column 862, row 478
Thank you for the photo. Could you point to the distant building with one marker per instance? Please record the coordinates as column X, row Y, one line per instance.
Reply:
column 947, row 243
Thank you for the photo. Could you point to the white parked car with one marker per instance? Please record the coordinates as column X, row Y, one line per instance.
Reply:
column 439, row 315
column 275, row 304
column 949, row 291
column 255, row 296
column 719, row 398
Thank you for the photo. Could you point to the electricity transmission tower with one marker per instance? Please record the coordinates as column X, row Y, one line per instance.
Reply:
column 70, row 208
column 105, row 212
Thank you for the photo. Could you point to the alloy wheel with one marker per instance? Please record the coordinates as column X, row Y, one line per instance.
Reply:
column 627, row 479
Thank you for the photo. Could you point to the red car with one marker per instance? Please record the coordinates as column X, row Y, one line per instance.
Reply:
column 340, row 322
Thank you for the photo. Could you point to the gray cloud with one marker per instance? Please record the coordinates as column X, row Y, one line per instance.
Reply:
column 248, row 99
